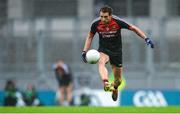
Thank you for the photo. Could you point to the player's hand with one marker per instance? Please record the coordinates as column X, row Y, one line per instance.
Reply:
column 149, row 42
column 83, row 56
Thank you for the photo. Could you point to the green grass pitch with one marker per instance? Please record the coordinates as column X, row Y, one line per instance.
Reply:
column 88, row 110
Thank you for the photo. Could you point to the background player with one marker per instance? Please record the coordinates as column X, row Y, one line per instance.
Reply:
column 65, row 81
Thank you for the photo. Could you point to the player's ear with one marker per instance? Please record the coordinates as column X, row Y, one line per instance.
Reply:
column 110, row 15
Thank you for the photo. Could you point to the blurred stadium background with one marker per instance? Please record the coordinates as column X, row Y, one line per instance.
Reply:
column 34, row 34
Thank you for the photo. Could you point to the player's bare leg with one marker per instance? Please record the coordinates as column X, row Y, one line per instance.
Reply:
column 103, row 71
column 117, row 81
column 61, row 99
column 69, row 93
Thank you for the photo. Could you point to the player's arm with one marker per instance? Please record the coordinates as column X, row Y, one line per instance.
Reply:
column 87, row 45
column 140, row 33
column 88, row 41
column 137, row 31
column 124, row 25
column 90, row 36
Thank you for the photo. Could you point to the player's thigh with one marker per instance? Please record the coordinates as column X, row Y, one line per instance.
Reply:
column 69, row 88
column 62, row 89
column 116, row 60
column 104, row 58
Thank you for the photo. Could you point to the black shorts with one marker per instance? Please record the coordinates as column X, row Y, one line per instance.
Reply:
column 64, row 80
column 114, row 58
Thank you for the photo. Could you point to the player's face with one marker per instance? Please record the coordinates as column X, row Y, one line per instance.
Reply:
column 105, row 17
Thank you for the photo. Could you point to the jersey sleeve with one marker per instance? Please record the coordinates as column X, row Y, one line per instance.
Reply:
column 93, row 29
column 123, row 24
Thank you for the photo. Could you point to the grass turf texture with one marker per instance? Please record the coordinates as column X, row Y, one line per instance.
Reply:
column 77, row 109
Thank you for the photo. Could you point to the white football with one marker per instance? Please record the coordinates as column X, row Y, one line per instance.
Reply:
column 92, row 56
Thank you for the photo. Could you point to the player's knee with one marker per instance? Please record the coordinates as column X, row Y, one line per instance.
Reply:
column 101, row 63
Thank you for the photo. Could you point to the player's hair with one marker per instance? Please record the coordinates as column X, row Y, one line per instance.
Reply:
column 105, row 9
